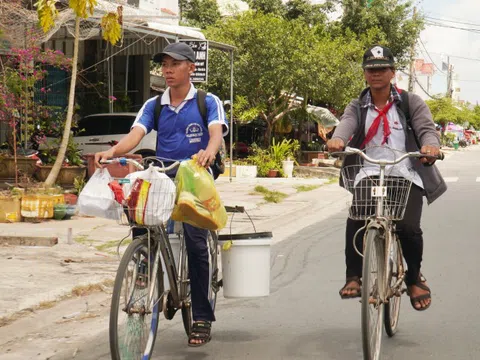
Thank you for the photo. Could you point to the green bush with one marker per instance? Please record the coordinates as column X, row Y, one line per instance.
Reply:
column 271, row 158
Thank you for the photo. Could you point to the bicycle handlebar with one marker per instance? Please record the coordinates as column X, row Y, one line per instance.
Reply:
column 352, row 151
column 124, row 161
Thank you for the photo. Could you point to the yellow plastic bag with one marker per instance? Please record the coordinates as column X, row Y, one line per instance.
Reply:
column 198, row 202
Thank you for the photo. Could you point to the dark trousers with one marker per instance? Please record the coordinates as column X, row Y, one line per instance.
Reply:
column 409, row 233
column 198, row 269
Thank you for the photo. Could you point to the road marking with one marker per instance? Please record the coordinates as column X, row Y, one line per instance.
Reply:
column 450, row 179
column 478, row 179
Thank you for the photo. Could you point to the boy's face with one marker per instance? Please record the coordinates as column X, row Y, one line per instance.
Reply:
column 379, row 78
column 177, row 72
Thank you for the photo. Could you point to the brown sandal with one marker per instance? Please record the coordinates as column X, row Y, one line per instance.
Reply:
column 416, row 300
column 348, row 286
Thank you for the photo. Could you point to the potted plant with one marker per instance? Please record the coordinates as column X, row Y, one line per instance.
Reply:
column 284, row 152
column 20, row 75
column 72, row 167
column 273, row 173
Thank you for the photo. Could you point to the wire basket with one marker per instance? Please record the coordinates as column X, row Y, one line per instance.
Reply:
column 366, row 191
column 146, row 201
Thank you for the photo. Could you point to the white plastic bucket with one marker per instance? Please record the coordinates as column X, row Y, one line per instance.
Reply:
column 287, row 166
column 246, row 265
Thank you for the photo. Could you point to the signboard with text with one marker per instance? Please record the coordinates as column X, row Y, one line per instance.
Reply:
column 200, row 47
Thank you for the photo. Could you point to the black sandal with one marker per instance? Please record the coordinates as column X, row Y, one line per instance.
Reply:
column 358, row 293
column 416, row 300
column 201, row 330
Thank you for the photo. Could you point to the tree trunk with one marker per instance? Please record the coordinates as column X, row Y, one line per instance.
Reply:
column 268, row 134
column 52, row 177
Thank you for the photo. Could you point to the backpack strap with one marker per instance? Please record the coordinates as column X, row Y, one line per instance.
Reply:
column 158, row 108
column 202, row 107
column 405, row 107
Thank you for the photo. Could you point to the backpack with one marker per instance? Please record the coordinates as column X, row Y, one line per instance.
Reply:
column 218, row 166
column 405, row 107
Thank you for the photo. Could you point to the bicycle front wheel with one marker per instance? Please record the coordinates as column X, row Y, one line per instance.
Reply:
column 133, row 316
column 392, row 309
column 373, row 278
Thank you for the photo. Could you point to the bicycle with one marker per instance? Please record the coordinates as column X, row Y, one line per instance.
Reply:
column 139, row 293
column 380, row 200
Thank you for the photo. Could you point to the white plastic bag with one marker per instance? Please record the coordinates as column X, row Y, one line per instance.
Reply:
column 150, row 197
column 97, row 199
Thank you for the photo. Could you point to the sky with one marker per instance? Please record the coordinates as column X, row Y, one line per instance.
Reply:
column 453, row 42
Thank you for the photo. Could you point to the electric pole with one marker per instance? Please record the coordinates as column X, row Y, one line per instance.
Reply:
column 411, row 78
column 449, row 78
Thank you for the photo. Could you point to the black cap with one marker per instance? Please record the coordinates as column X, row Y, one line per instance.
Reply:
column 378, row 57
column 178, row 51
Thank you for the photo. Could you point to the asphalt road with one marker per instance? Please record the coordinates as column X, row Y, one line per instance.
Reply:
column 304, row 318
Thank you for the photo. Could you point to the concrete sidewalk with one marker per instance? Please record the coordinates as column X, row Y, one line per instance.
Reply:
column 33, row 278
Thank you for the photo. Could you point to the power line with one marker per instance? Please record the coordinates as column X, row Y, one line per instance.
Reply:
column 476, row 31
column 457, row 57
column 433, row 62
column 452, row 21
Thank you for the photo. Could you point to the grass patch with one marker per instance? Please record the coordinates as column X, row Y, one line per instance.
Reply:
column 84, row 290
column 46, row 305
column 332, row 180
column 112, row 244
column 84, row 240
column 306, row 188
column 270, row 196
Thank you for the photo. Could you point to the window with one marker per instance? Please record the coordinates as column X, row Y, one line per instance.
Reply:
column 121, row 124
column 94, row 126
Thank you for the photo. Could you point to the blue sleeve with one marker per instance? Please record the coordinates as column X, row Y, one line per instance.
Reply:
column 216, row 112
column 145, row 117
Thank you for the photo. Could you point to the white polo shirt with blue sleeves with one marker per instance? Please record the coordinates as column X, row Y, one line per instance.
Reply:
column 181, row 131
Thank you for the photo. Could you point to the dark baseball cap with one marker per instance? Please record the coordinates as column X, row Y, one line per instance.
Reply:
column 178, row 51
column 378, row 57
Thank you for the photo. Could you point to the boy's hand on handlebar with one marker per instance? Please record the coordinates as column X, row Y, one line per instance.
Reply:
column 430, row 150
column 103, row 156
column 335, row 145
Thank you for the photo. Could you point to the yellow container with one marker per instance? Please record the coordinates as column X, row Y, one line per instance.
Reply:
column 40, row 206
column 10, row 209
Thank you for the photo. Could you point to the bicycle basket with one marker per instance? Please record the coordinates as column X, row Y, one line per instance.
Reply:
column 149, row 198
column 366, row 191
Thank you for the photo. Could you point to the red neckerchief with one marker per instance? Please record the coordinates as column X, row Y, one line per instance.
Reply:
column 382, row 116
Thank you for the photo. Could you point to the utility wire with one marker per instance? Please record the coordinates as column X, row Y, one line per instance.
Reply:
column 452, row 21
column 433, row 62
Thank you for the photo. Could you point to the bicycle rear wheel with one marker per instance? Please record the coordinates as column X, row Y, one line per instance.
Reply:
column 373, row 278
column 134, row 322
column 392, row 309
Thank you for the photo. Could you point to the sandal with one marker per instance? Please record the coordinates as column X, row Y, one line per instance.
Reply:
column 348, row 286
column 201, row 330
column 416, row 300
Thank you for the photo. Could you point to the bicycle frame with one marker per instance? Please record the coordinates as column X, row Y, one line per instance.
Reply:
column 164, row 251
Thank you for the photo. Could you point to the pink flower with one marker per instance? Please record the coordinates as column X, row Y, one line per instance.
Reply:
column 112, row 98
